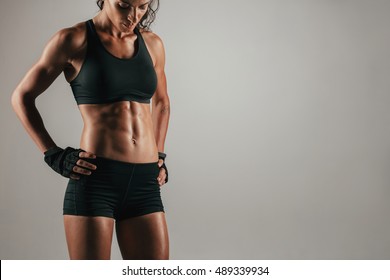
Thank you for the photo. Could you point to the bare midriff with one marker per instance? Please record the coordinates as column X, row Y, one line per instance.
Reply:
column 120, row 131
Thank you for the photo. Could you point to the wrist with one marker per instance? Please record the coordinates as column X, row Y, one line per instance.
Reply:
column 52, row 150
column 162, row 156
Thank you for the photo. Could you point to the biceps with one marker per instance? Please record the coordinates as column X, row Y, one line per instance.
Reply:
column 161, row 90
column 38, row 79
column 48, row 68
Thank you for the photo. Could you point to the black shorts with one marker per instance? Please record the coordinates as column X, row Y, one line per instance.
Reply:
column 116, row 189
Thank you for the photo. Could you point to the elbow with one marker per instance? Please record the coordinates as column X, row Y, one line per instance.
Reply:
column 19, row 100
column 15, row 100
column 162, row 102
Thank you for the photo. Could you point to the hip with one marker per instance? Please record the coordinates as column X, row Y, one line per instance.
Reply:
column 117, row 172
column 115, row 189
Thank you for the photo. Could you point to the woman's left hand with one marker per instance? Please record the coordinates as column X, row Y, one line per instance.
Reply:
column 162, row 174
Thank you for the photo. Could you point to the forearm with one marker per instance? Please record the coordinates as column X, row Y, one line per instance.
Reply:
column 160, row 117
column 32, row 121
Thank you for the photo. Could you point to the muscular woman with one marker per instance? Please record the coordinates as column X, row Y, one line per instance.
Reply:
column 115, row 66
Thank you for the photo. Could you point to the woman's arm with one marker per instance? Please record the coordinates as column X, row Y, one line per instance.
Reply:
column 160, row 99
column 53, row 61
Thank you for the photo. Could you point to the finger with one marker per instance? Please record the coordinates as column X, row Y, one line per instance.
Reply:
column 161, row 178
column 87, row 155
column 80, row 170
column 161, row 182
column 75, row 177
column 160, row 162
column 160, row 173
column 86, row 164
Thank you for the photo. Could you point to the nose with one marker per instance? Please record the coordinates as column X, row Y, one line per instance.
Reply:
column 132, row 16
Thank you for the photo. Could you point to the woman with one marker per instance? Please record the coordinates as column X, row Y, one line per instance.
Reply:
column 114, row 65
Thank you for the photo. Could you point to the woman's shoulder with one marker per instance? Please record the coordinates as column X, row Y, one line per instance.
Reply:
column 71, row 38
column 152, row 40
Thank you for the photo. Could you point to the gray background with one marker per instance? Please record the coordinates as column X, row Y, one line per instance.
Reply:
column 279, row 140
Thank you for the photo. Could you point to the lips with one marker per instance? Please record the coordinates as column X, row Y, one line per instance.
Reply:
column 128, row 25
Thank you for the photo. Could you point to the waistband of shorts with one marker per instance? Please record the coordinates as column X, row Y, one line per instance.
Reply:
column 120, row 166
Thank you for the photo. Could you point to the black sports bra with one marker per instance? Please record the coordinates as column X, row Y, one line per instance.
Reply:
column 104, row 78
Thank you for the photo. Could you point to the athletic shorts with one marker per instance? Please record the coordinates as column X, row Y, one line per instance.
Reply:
column 116, row 189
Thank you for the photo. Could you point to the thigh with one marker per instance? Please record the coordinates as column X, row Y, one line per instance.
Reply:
column 88, row 237
column 143, row 237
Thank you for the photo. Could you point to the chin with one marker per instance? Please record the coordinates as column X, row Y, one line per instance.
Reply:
column 126, row 28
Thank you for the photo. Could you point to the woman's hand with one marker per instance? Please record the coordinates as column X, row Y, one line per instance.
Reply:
column 163, row 175
column 78, row 168
column 68, row 163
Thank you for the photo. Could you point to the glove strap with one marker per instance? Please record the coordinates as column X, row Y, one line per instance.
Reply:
column 162, row 155
column 52, row 151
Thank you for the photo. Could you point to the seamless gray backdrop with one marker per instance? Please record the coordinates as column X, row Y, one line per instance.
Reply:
column 278, row 145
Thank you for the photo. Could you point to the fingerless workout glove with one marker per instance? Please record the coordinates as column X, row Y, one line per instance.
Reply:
column 163, row 156
column 62, row 161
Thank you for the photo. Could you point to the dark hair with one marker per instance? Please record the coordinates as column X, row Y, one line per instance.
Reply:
column 147, row 19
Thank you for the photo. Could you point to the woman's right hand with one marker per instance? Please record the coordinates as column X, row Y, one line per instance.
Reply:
column 68, row 163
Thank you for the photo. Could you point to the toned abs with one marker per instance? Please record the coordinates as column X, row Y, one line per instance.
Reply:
column 121, row 131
